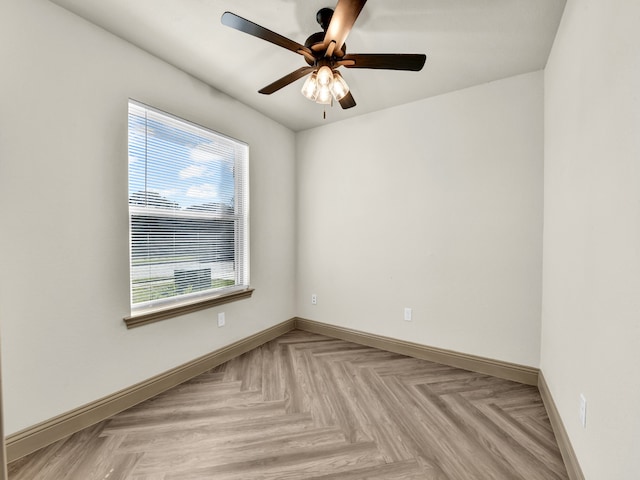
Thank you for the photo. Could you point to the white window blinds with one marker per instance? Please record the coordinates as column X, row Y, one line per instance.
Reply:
column 188, row 210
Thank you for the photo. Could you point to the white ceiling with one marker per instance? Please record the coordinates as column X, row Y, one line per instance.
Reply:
column 467, row 42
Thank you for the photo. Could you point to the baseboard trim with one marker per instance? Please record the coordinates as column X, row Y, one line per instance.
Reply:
column 568, row 454
column 497, row 368
column 38, row 436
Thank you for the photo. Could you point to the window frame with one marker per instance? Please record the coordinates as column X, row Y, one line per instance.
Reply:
column 181, row 304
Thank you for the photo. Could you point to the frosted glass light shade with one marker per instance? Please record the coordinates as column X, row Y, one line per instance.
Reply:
column 324, row 95
column 325, row 76
column 339, row 87
column 310, row 87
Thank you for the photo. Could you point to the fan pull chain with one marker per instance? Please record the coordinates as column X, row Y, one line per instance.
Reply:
column 324, row 113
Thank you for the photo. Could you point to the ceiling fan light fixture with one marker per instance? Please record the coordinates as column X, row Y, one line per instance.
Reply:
column 310, row 87
column 324, row 84
column 339, row 87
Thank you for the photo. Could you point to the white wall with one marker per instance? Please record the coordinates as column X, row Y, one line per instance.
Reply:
column 591, row 273
column 434, row 205
column 63, row 213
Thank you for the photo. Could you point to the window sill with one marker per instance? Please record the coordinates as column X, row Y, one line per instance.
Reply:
column 152, row 317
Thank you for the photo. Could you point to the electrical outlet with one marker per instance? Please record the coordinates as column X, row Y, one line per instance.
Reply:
column 583, row 411
column 407, row 314
column 221, row 319
column 314, row 299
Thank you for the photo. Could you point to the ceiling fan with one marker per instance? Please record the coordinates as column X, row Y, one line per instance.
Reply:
column 325, row 52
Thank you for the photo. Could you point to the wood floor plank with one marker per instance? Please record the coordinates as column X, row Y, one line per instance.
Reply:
column 297, row 464
column 293, row 394
column 187, row 416
column 213, row 436
column 199, row 458
column 272, row 376
column 310, row 407
column 405, row 470
column 317, row 391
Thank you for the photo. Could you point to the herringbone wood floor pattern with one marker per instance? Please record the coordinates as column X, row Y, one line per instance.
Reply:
column 306, row 406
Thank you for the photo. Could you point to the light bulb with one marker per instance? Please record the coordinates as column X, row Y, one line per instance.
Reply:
column 324, row 95
column 339, row 87
column 310, row 87
column 325, row 76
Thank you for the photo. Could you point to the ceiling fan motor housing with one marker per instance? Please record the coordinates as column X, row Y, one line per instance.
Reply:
column 323, row 17
column 317, row 37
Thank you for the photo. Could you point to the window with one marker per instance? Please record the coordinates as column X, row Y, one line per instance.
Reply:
column 188, row 212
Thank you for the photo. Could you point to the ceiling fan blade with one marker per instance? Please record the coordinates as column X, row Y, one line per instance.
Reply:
column 386, row 61
column 347, row 101
column 242, row 24
column 344, row 16
column 286, row 80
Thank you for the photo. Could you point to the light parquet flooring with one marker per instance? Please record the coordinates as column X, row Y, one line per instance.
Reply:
column 305, row 406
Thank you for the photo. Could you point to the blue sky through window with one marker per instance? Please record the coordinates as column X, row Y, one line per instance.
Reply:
column 178, row 163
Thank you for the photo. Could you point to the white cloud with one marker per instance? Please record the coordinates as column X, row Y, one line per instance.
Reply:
column 204, row 154
column 170, row 192
column 193, row 171
column 205, row 191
